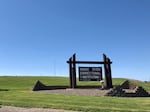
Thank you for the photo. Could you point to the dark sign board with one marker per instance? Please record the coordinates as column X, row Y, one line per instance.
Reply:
column 90, row 73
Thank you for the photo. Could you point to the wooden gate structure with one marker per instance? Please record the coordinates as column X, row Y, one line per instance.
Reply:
column 107, row 70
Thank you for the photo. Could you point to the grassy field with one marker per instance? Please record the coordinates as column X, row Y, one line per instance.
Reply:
column 17, row 91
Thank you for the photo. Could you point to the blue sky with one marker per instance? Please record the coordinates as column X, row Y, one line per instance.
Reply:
column 38, row 36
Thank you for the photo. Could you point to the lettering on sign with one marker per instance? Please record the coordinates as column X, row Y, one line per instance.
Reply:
column 90, row 73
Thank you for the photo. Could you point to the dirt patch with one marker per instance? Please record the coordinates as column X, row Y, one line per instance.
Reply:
column 19, row 109
column 81, row 92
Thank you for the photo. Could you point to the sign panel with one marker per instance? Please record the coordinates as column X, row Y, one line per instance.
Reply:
column 90, row 73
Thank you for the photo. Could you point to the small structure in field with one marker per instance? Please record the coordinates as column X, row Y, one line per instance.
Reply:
column 128, row 89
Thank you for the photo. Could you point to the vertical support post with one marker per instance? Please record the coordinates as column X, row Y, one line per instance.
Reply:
column 107, row 72
column 70, row 71
column 74, row 71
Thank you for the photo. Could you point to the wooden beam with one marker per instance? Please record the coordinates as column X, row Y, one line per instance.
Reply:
column 90, row 62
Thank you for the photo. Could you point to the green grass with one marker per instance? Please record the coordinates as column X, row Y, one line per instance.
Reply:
column 16, row 91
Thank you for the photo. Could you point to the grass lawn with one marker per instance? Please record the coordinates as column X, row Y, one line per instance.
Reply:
column 17, row 91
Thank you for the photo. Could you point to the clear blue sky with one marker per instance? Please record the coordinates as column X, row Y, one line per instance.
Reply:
column 38, row 36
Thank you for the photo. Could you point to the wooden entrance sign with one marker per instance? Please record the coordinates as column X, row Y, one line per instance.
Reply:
column 107, row 70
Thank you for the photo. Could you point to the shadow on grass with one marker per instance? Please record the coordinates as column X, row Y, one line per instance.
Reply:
column 4, row 89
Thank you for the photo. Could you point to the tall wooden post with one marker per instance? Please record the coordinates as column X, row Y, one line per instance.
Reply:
column 74, row 71
column 70, row 71
column 107, row 72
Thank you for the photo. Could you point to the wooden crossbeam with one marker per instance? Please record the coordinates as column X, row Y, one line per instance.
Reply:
column 90, row 62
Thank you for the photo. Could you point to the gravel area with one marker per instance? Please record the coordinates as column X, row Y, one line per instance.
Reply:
column 19, row 109
column 81, row 92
